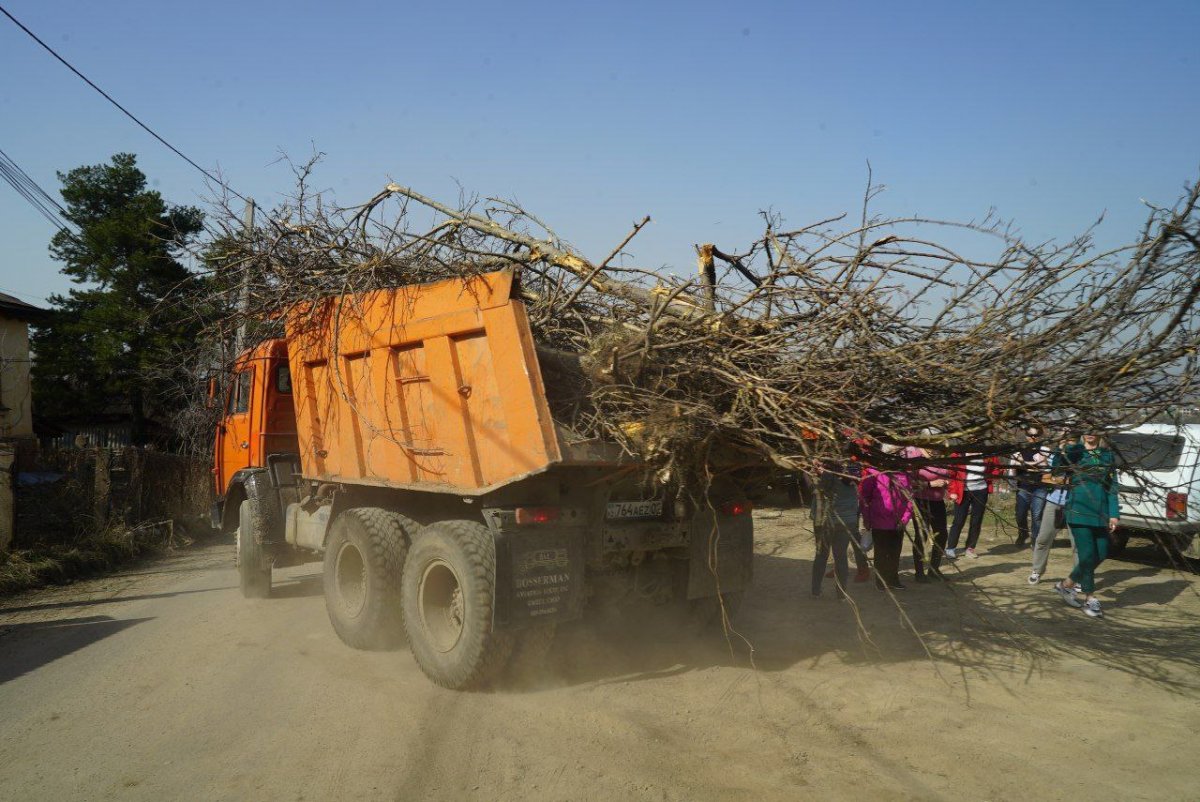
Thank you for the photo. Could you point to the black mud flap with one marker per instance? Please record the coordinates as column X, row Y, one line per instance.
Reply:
column 539, row 577
column 721, row 554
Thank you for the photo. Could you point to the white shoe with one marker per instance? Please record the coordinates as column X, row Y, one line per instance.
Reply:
column 1068, row 594
column 950, row 555
column 1092, row 608
column 971, row 553
column 1034, row 578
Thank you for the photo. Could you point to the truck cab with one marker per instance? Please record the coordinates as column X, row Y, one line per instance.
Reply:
column 258, row 419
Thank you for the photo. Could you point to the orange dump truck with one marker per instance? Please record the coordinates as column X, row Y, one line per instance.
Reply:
column 405, row 434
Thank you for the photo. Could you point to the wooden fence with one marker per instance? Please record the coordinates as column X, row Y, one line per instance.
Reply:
column 69, row 494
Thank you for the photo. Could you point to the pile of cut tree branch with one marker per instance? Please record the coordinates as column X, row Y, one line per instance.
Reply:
column 773, row 352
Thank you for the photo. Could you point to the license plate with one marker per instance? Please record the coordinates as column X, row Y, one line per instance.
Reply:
column 620, row 510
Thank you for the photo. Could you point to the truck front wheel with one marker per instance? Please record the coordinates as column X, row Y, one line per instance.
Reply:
column 364, row 559
column 253, row 562
column 448, row 594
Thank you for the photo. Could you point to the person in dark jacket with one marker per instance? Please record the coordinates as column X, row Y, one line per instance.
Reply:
column 1093, row 513
column 1028, row 466
column 835, row 525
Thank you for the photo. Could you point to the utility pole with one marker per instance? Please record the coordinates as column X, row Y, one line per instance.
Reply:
column 244, row 294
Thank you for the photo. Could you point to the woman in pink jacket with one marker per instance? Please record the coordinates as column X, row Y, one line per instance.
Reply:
column 885, row 500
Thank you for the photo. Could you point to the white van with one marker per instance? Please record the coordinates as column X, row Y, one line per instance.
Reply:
column 1159, row 485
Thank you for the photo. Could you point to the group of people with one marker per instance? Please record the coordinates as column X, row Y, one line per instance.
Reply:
column 1072, row 484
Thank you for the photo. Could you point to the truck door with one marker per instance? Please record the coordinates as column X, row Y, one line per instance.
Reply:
column 235, row 436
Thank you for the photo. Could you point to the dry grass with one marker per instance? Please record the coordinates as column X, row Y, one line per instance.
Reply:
column 56, row 564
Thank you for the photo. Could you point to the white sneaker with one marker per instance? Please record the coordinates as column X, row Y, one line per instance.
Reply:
column 1034, row 578
column 950, row 555
column 971, row 553
column 1092, row 608
column 1068, row 594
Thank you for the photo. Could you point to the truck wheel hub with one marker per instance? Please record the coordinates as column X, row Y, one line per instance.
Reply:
column 351, row 579
column 443, row 612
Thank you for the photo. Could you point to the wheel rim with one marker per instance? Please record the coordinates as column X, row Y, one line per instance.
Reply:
column 351, row 573
column 441, row 603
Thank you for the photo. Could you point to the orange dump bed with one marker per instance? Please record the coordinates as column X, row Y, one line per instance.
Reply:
column 433, row 387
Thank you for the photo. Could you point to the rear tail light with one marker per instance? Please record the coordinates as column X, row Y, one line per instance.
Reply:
column 537, row 515
column 1177, row 506
column 735, row 507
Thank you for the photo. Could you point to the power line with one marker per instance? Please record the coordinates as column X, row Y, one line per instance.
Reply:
column 124, row 110
column 43, row 193
column 27, row 188
column 29, row 197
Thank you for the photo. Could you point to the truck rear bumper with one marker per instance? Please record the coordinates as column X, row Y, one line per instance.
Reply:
column 542, row 570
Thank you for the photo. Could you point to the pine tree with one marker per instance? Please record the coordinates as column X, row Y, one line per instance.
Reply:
column 107, row 341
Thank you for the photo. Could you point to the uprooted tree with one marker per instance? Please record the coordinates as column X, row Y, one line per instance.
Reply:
column 776, row 349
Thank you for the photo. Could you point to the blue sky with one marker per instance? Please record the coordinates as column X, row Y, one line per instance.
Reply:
column 594, row 114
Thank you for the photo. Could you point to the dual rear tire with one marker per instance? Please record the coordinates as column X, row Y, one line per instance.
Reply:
column 447, row 598
column 387, row 577
column 364, row 557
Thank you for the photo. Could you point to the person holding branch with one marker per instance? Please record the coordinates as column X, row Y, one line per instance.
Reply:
column 1093, row 513
column 1056, row 501
column 928, row 483
column 885, row 502
column 1028, row 466
column 835, row 525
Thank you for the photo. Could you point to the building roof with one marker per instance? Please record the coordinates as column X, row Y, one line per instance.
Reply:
column 16, row 308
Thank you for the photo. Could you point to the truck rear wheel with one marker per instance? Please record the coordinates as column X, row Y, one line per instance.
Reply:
column 448, row 596
column 253, row 562
column 364, row 560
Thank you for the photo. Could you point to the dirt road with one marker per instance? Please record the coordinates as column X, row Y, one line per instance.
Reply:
column 163, row 683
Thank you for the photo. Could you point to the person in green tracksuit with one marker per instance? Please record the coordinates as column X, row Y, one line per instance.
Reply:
column 1092, row 513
